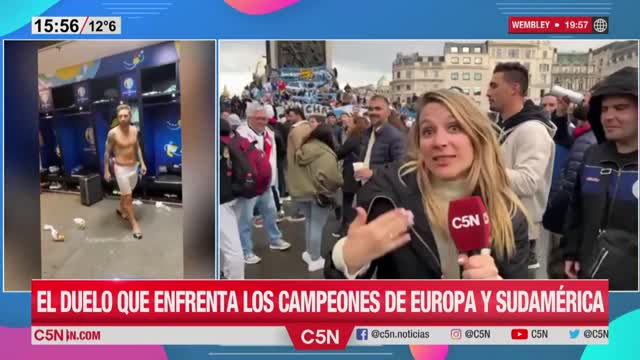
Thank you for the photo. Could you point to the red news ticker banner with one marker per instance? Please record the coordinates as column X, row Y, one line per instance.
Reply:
column 550, row 25
column 275, row 303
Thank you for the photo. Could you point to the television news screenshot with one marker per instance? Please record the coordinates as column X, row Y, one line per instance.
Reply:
column 292, row 179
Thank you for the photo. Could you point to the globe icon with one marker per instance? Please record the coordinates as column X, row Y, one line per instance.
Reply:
column 600, row 25
column 128, row 83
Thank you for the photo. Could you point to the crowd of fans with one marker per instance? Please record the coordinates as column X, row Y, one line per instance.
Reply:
column 570, row 169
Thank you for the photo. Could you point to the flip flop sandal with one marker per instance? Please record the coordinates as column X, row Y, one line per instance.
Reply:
column 137, row 235
column 122, row 216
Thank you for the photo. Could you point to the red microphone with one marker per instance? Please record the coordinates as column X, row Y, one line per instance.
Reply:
column 469, row 225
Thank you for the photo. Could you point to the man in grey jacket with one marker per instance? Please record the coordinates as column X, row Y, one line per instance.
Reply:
column 526, row 141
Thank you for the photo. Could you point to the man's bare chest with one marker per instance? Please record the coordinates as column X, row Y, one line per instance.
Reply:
column 124, row 141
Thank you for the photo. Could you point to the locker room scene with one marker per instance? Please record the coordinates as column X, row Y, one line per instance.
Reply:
column 110, row 159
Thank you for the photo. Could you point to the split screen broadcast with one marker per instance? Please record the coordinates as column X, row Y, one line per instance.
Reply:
column 335, row 159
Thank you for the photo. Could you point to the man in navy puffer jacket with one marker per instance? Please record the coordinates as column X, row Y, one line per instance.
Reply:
column 561, row 188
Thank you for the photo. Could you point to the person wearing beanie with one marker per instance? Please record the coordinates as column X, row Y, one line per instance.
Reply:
column 602, row 224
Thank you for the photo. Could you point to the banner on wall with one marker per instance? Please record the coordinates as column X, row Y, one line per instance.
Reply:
column 81, row 93
column 151, row 56
column 45, row 100
column 129, row 84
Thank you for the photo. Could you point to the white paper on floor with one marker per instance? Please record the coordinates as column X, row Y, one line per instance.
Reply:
column 54, row 233
column 161, row 205
column 82, row 224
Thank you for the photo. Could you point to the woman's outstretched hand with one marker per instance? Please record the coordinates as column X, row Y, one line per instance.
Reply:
column 367, row 242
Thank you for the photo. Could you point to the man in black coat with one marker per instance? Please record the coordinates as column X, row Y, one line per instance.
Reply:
column 602, row 227
column 382, row 143
column 561, row 189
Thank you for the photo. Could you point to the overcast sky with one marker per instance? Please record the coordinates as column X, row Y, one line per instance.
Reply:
column 358, row 62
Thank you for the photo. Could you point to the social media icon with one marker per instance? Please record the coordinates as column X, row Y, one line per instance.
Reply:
column 574, row 333
column 362, row 334
column 519, row 334
column 456, row 334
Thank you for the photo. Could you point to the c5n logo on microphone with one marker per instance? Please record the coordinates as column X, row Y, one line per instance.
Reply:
column 469, row 221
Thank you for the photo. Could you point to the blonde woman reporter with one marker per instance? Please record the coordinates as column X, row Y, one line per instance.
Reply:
column 401, row 230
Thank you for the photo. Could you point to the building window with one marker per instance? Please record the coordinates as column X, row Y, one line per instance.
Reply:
column 466, row 60
column 408, row 73
column 465, row 50
column 477, row 50
column 527, row 54
column 435, row 73
column 498, row 53
column 398, row 75
column 454, row 76
column 544, row 78
column 454, row 49
column 513, row 53
column 477, row 76
column 544, row 54
column 466, row 76
column 398, row 87
column 455, row 60
column 478, row 60
column 408, row 87
column 477, row 91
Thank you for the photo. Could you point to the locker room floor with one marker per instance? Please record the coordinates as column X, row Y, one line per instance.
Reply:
column 289, row 265
column 107, row 249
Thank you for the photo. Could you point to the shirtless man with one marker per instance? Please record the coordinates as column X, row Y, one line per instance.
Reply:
column 123, row 141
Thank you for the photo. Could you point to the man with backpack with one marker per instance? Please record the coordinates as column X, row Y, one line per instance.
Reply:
column 262, row 155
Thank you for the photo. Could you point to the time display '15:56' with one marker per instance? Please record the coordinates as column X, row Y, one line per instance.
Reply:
column 76, row 25
column 51, row 25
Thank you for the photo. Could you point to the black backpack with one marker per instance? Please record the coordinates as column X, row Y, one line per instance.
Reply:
column 226, row 176
column 239, row 172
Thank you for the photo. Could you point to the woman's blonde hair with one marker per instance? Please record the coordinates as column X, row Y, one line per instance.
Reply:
column 486, row 176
